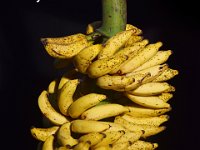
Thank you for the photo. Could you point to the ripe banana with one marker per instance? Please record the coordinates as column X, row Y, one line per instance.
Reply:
column 63, row 148
column 165, row 96
column 114, row 43
column 136, row 30
column 160, row 58
column 84, row 58
column 143, row 145
column 134, row 62
column 148, row 101
column 113, row 126
column 82, row 146
column 152, row 88
column 166, row 75
column 88, row 126
column 65, row 51
column 153, row 121
column 139, row 111
column 120, row 146
column 64, row 135
column 92, row 26
column 43, row 133
column 133, row 39
column 52, row 88
column 83, row 103
column 94, row 138
column 65, row 95
column 103, row 111
column 48, row 111
column 106, row 147
column 48, row 143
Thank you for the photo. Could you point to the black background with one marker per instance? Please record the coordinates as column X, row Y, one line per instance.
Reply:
column 26, row 69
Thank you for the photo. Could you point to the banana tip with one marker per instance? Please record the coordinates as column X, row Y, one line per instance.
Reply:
column 44, row 41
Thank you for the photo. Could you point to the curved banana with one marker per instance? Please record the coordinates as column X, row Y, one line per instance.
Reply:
column 148, row 129
column 48, row 111
column 148, row 101
column 88, row 126
column 65, row 51
column 165, row 96
column 159, row 58
column 94, row 138
column 53, row 86
column 153, row 121
column 133, row 39
column 139, row 145
column 114, row 43
column 110, row 138
column 48, row 143
column 139, row 111
column 135, row 29
column 82, row 146
column 43, row 133
column 65, row 95
column 134, row 62
column 91, row 27
column 64, row 135
column 84, row 58
column 83, row 103
column 103, row 111
column 166, row 75
column 65, row 39
column 152, row 88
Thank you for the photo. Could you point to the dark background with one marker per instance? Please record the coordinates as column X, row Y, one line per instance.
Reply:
column 26, row 69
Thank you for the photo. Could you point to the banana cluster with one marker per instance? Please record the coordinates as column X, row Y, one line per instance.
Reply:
column 114, row 99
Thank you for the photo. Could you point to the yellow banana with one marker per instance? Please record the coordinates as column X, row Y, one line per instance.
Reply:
column 94, row 138
column 159, row 58
column 65, row 51
column 48, row 143
column 88, row 126
column 48, row 111
column 148, row 101
column 165, row 96
column 134, row 62
column 110, row 138
column 82, row 146
column 65, row 96
column 113, row 126
column 103, row 111
column 120, row 146
column 153, row 121
column 166, row 75
column 43, row 133
column 114, row 43
column 136, row 30
column 152, row 88
column 143, row 145
column 105, row 147
column 91, row 27
column 139, row 111
column 63, row 148
column 83, row 103
column 65, row 39
column 133, row 39
column 64, row 135
column 148, row 130
column 84, row 58
column 53, row 86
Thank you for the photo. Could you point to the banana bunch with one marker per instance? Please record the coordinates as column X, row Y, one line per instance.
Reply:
column 115, row 98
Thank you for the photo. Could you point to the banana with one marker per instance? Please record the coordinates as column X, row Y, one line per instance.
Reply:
column 165, row 96
column 82, row 146
column 65, row 95
column 94, row 138
column 63, row 148
column 110, row 138
column 48, row 111
column 160, row 58
column 148, row 129
column 103, row 111
column 139, row 111
column 48, row 143
column 92, row 26
column 105, row 147
column 143, row 145
column 64, row 135
column 133, row 39
column 135, row 29
column 148, row 101
column 113, row 126
column 121, row 146
column 134, row 62
column 153, row 121
column 166, row 75
column 152, row 88
column 83, row 103
column 114, row 43
column 43, row 133
column 65, row 39
column 84, row 58
column 53, row 86
column 88, row 126
column 65, row 51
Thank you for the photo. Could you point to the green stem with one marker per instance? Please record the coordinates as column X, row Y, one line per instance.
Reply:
column 114, row 17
